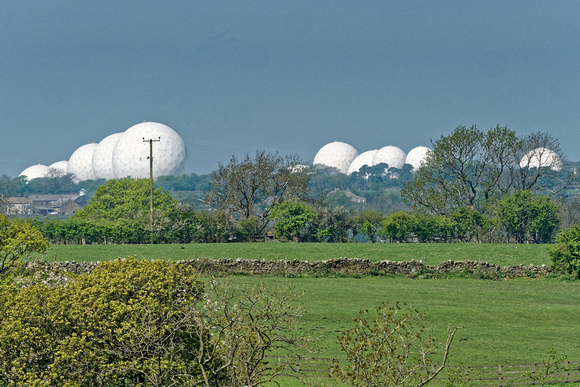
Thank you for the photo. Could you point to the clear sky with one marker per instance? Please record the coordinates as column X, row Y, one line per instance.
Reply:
column 232, row 77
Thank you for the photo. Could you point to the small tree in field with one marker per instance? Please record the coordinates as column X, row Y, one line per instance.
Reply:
column 18, row 240
column 292, row 217
column 565, row 254
column 393, row 349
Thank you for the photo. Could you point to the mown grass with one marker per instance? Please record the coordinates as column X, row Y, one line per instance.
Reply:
column 430, row 253
column 508, row 322
column 511, row 321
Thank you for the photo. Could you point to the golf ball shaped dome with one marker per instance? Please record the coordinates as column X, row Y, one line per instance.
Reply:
column 35, row 172
column 131, row 153
column 80, row 163
column 337, row 155
column 60, row 168
column 391, row 155
column 103, row 157
column 542, row 157
column 365, row 158
column 416, row 156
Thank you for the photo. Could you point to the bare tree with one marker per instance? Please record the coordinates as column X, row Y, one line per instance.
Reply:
column 251, row 187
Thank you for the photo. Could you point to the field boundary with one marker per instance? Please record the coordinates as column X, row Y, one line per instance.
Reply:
column 498, row 375
column 337, row 266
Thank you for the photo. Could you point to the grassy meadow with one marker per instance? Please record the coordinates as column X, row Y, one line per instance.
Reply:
column 430, row 253
column 510, row 322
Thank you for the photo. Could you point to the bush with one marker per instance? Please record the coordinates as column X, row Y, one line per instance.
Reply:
column 565, row 254
column 127, row 323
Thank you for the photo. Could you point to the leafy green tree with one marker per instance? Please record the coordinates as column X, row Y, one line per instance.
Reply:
column 527, row 217
column 393, row 349
column 397, row 226
column 124, row 199
column 255, row 185
column 18, row 240
column 367, row 224
column 331, row 225
column 292, row 218
column 467, row 224
column 565, row 254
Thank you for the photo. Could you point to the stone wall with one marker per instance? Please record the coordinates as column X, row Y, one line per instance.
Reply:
column 346, row 266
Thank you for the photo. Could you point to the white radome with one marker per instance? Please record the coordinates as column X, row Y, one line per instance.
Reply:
column 416, row 156
column 35, row 172
column 103, row 157
column 60, row 168
column 391, row 155
column 337, row 155
column 131, row 153
column 542, row 157
column 80, row 163
column 365, row 158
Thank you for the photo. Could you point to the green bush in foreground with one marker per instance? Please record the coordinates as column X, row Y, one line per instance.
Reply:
column 565, row 254
column 136, row 323
column 127, row 323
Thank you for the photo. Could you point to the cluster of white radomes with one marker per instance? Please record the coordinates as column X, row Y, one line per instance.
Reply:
column 122, row 155
column 347, row 160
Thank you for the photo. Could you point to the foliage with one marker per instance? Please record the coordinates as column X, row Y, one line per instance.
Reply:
column 394, row 349
column 124, row 199
column 18, row 240
column 331, row 224
column 367, row 224
column 565, row 254
column 127, row 323
column 254, row 186
column 549, row 366
column 527, row 217
column 248, row 323
column 467, row 224
column 292, row 217
column 473, row 168
column 396, row 226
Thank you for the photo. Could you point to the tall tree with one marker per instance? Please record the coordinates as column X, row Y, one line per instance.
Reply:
column 473, row 168
column 252, row 187
column 124, row 199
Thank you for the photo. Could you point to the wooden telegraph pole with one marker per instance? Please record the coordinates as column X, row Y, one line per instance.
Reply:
column 151, row 141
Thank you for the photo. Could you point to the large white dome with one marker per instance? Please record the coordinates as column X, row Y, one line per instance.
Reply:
column 391, row 155
column 131, row 153
column 365, row 158
column 338, row 155
column 416, row 156
column 80, row 163
column 35, row 172
column 59, row 169
column 542, row 157
column 103, row 157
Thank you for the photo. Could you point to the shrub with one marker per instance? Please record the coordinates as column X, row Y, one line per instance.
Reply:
column 565, row 254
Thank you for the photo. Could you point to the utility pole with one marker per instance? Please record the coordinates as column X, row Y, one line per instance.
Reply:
column 151, row 141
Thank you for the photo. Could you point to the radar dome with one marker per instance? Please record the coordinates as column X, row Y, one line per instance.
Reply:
column 365, row 158
column 541, row 157
column 131, row 153
column 35, row 172
column 60, row 168
column 338, row 155
column 416, row 156
column 391, row 155
column 80, row 163
column 103, row 157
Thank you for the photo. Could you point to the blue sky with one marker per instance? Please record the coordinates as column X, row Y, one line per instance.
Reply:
column 233, row 77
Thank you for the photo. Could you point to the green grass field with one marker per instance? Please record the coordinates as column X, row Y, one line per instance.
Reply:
column 506, row 322
column 430, row 253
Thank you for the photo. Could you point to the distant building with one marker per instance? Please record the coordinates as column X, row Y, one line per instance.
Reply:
column 46, row 204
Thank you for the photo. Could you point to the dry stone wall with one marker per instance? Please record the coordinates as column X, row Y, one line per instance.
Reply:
column 346, row 266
